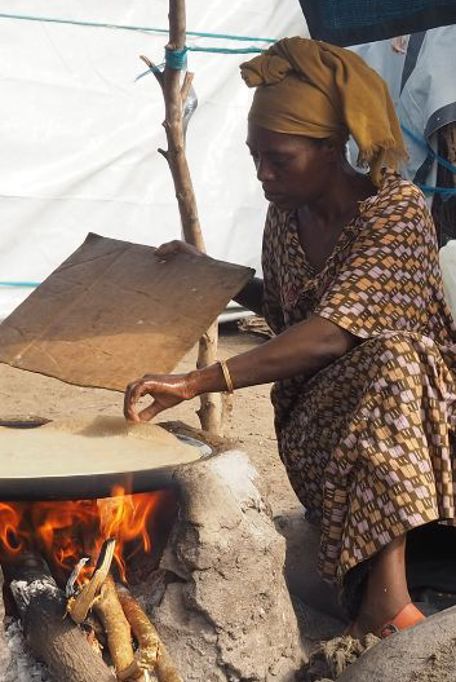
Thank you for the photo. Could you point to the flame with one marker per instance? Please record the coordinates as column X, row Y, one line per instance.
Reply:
column 64, row 532
column 10, row 517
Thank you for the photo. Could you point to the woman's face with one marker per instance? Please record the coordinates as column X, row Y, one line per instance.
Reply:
column 294, row 170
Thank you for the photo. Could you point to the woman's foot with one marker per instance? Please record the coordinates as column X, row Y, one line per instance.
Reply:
column 386, row 600
column 407, row 617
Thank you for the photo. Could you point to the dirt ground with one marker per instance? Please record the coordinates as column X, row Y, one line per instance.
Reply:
column 250, row 424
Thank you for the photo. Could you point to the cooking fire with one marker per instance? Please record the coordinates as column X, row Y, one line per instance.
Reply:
column 68, row 531
column 67, row 564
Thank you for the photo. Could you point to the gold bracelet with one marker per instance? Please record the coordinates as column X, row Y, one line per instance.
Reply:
column 227, row 376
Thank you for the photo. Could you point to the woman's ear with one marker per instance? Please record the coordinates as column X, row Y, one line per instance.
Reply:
column 333, row 150
column 332, row 147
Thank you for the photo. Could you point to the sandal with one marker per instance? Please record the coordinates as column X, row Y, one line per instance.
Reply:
column 406, row 618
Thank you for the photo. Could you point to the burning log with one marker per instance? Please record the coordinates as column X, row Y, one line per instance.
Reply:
column 79, row 607
column 120, row 614
column 65, row 534
column 55, row 640
column 99, row 594
column 153, row 654
column 109, row 610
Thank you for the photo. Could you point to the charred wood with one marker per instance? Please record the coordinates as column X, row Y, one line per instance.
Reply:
column 54, row 639
column 78, row 607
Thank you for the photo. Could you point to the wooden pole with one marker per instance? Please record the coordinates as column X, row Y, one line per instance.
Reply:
column 175, row 133
column 175, row 95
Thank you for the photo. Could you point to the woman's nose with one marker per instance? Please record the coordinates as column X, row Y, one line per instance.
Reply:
column 263, row 170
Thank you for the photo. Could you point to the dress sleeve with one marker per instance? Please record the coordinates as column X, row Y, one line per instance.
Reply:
column 386, row 281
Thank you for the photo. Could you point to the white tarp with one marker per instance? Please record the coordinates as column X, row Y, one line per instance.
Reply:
column 448, row 265
column 79, row 135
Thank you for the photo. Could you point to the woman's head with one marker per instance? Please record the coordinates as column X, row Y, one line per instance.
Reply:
column 294, row 170
column 314, row 90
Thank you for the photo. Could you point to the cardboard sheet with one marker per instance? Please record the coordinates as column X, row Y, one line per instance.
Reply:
column 113, row 311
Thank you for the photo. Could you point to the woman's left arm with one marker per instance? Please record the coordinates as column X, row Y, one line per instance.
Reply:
column 303, row 349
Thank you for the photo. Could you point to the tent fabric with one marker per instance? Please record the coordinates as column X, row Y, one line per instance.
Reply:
column 423, row 90
column 350, row 22
column 80, row 133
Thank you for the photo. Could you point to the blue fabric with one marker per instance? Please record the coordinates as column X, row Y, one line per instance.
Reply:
column 348, row 22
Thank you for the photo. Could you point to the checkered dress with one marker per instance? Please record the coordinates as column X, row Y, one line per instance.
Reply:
column 368, row 442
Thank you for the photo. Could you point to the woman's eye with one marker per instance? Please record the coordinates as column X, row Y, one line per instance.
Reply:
column 279, row 162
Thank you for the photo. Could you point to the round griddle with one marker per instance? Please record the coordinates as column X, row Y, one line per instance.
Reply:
column 86, row 458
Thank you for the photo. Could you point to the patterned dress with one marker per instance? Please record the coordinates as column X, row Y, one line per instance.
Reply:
column 368, row 442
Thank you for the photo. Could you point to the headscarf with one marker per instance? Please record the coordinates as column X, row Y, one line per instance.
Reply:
column 308, row 87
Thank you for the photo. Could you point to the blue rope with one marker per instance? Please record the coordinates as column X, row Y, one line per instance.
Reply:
column 176, row 59
column 429, row 189
column 225, row 50
column 421, row 142
column 128, row 27
column 25, row 285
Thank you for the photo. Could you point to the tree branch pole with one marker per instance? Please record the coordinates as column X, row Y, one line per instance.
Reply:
column 210, row 412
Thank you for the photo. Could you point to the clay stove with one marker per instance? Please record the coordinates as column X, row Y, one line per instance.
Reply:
column 203, row 566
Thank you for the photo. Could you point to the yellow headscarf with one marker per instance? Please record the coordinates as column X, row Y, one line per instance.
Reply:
column 311, row 88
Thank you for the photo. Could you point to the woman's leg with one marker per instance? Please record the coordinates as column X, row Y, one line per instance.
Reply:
column 367, row 449
column 386, row 591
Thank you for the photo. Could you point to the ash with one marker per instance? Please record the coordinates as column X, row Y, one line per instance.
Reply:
column 22, row 666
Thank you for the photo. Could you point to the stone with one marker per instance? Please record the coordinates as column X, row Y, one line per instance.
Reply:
column 424, row 653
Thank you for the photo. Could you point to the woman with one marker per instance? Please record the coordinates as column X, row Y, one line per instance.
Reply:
column 363, row 356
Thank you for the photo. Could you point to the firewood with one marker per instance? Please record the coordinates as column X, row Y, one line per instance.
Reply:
column 92, row 625
column 152, row 654
column 118, row 632
column 54, row 639
column 99, row 594
column 78, row 607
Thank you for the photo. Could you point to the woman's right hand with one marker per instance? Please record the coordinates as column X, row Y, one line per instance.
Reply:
column 170, row 249
column 166, row 390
